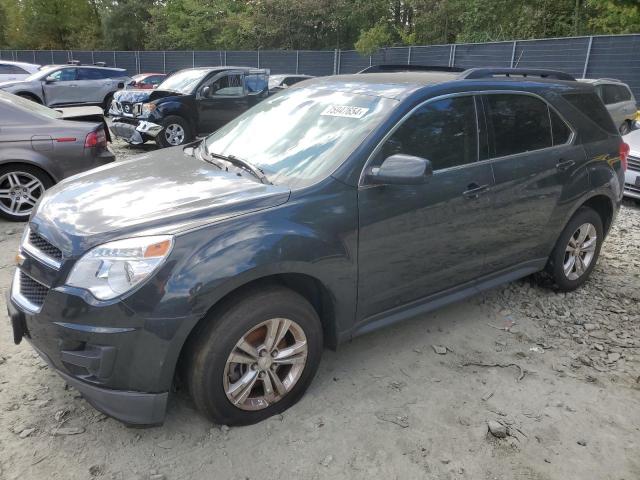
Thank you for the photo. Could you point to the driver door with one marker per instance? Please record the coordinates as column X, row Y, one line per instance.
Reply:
column 418, row 240
column 220, row 100
column 61, row 89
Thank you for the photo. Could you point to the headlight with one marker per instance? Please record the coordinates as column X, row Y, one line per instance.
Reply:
column 147, row 108
column 115, row 268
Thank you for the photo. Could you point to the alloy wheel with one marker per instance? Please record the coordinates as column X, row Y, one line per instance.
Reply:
column 19, row 192
column 174, row 134
column 265, row 364
column 580, row 251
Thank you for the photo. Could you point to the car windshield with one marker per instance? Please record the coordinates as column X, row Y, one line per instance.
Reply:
column 302, row 135
column 29, row 105
column 184, row 81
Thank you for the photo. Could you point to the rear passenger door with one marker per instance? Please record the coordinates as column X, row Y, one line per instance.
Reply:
column 535, row 164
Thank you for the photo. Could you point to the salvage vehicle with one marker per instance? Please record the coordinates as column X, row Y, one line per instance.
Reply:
column 189, row 102
column 65, row 85
column 619, row 101
column 40, row 146
column 147, row 81
column 341, row 205
column 632, row 176
column 281, row 81
column 16, row 70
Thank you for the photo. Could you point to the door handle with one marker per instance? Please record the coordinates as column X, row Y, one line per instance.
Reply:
column 474, row 191
column 565, row 165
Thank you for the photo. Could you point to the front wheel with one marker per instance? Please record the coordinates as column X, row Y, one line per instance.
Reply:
column 577, row 250
column 21, row 186
column 175, row 132
column 254, row 358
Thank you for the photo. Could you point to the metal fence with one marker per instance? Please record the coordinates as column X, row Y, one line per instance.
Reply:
column 614, row 56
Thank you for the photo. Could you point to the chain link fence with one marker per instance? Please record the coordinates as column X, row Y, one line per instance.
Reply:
column 615, row 56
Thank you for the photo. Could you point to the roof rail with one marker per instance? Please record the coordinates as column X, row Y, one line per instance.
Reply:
column 606, row 79
column 478, row 73
column 409, row 68
column 73, row 62
column 100, row 64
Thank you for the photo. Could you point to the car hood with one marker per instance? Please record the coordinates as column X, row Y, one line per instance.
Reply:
column 13, row 83
column 159, row 192
column 135, row 96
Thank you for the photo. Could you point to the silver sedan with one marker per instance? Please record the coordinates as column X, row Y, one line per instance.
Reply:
column 40, row 146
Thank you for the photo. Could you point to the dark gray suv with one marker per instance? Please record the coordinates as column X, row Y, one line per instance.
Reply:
column 336, row 207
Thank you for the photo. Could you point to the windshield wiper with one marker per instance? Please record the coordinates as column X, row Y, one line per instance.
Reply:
column 238, row 162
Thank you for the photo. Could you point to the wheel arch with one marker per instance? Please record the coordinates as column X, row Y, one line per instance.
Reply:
column 31, row 95
column 309, row 287
column 604, row 206
column 30, row 163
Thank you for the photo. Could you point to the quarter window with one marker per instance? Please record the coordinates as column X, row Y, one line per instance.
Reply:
column 517, row 124
column 444, row 132
column 614, row 94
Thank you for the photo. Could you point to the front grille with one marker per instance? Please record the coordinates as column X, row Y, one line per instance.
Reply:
column 32, row 290
column 44, row 246
column 633, row 163
column 129, row 108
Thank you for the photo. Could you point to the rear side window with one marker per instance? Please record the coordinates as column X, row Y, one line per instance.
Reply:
column 592, row 110
column 614, row 94
column 444, row 132
column 517, row 124
column 12, row 69
column 90, row 74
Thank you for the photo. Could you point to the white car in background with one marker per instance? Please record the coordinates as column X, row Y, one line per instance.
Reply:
column 632, row 176
column 16, row 70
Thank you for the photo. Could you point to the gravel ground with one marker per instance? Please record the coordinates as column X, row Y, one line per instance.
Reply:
column 518, row 383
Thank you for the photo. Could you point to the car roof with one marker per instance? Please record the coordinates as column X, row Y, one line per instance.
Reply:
column 399, row 85
column 98, row 67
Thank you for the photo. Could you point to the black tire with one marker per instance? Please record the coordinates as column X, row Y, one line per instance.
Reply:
column 169, row 122
column 24, row 172
column 625, row 127
column 212, row 343
column 29, row 96
column 555, row 266
column 106, row 105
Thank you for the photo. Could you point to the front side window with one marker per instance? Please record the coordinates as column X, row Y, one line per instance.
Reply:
column 444, row 132
column 63, row 75
column 226, row 86
column 517, row 124
column 12, row 70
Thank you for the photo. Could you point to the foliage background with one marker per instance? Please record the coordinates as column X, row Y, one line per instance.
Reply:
column 300, row 24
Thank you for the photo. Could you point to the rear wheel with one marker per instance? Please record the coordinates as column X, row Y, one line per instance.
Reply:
column 255, row 358
column 21, row 186
column 175, row 132
column 577, row 250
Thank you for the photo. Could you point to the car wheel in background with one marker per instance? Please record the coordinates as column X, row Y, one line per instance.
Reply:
column 106, row 105
column 21, row 186
column 577, row 250
column 176, row 132
column 254, row 357
column 625, row 127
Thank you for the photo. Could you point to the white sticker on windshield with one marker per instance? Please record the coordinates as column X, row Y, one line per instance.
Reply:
column 345, row 111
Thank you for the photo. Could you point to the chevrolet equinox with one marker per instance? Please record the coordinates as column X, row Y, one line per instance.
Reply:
column 336, row 207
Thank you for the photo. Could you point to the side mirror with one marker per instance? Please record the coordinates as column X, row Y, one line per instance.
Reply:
column 132, row 83
column 401, row 169
column 206, row 91
column 50, row 79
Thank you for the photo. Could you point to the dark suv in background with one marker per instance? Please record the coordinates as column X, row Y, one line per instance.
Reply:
column 339, row 206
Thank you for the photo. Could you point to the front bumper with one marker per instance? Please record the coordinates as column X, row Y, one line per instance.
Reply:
column 129, row 407
column 134, row 131
column 632, row 183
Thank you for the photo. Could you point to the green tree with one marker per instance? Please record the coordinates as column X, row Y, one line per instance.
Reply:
column 123, row 24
